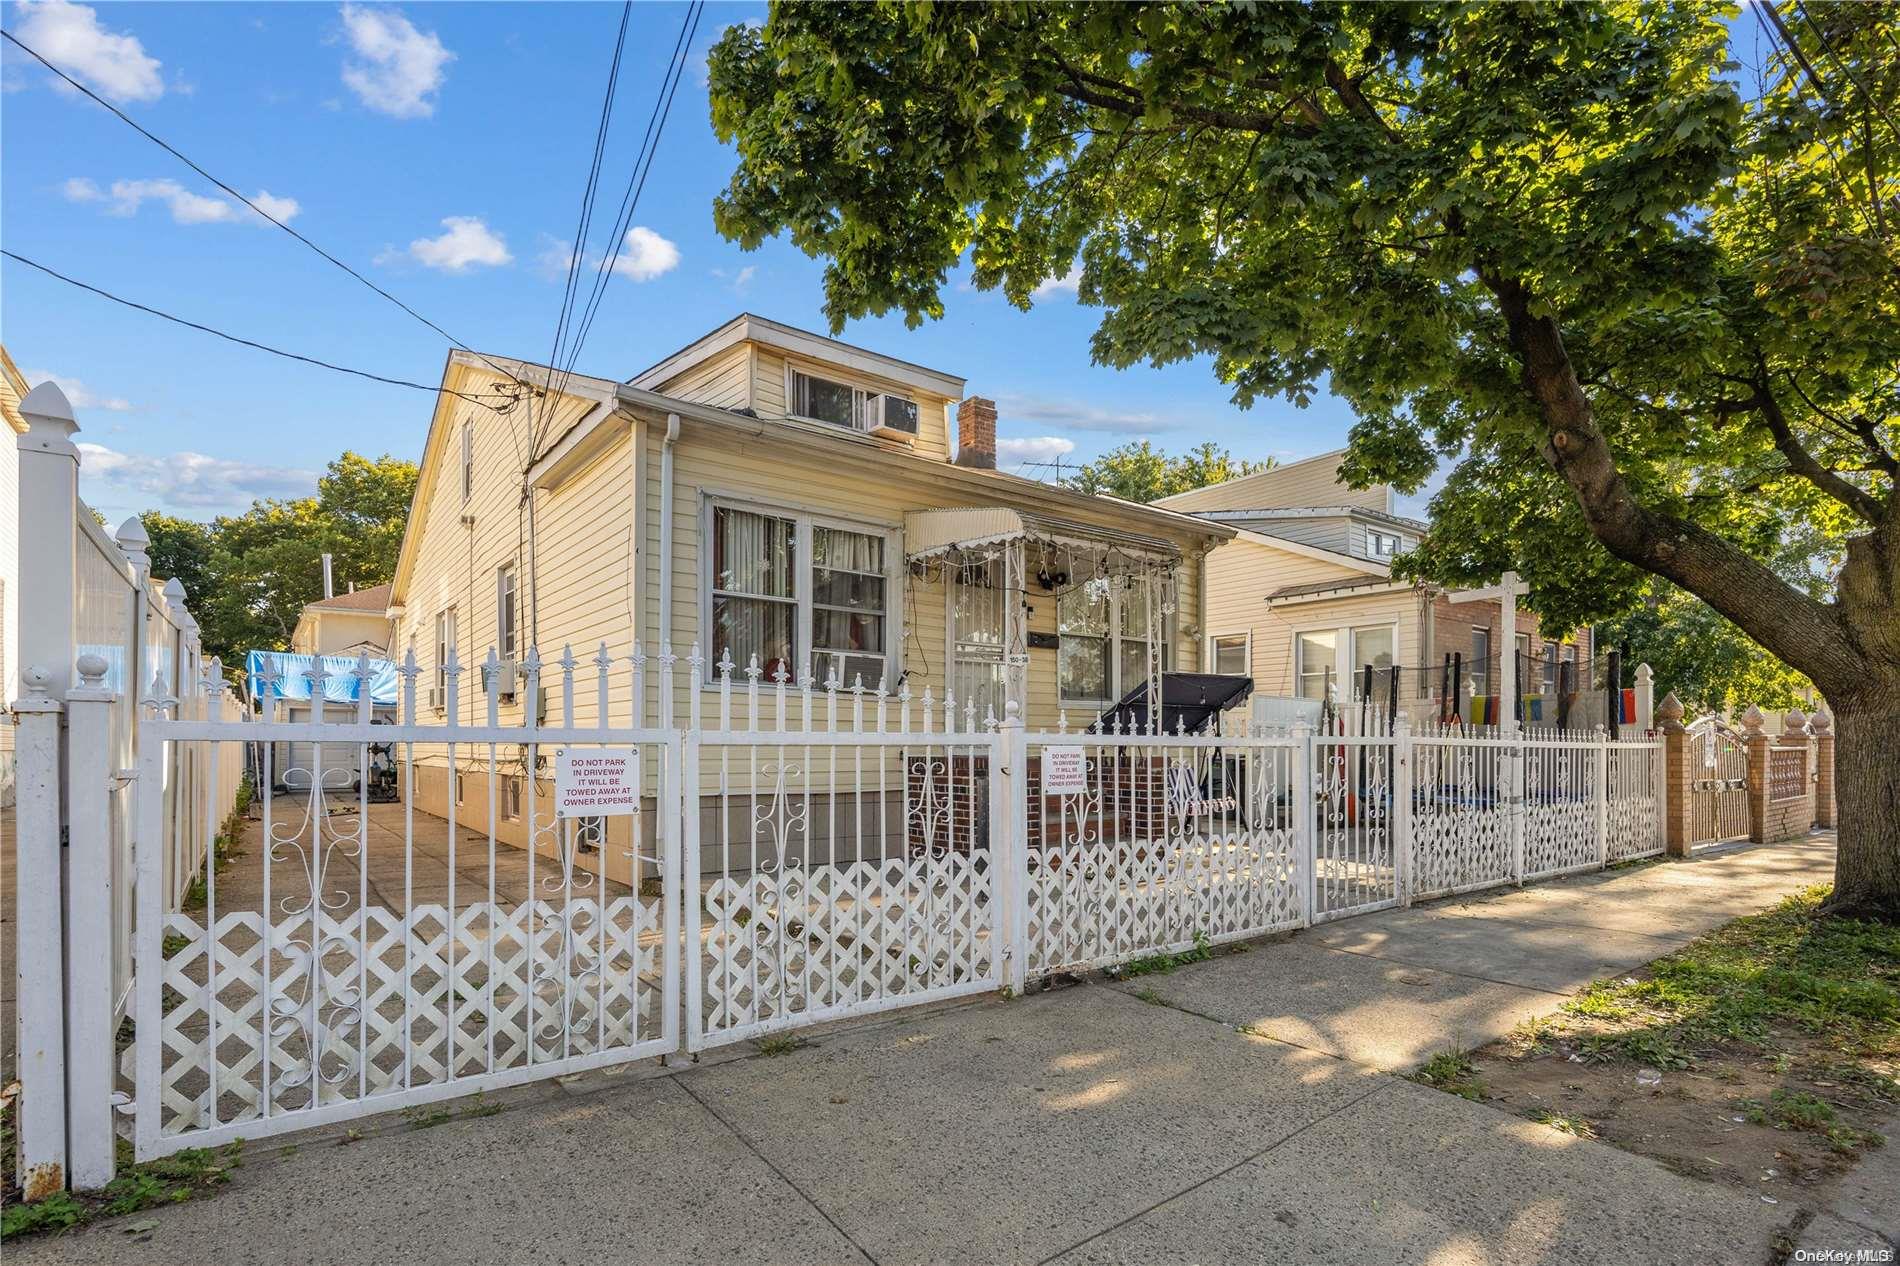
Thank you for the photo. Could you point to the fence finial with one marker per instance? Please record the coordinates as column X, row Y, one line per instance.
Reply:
column 50, row 424
column 1751, row 720
column 1821, row 721
column 1794, row 721
column 135, row 544
column 1669, row 712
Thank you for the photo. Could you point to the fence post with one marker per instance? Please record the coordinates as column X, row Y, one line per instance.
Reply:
column 1755, row 742
column 1823, row 768
column 1304, row 844
column 1645, row 699
column 1603, row 792
column 38, row 960
column 1511, row 765
column 88, row 927
column 1677, row 799
column 48, row 503
column 1402, row 807
column 1009, row 844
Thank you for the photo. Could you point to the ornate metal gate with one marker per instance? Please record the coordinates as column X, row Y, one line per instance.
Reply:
column 1719, row 789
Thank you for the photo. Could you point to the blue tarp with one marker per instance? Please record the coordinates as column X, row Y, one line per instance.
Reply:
column 339, row 677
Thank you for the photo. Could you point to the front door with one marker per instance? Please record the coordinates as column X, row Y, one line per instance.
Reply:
column 980, row 608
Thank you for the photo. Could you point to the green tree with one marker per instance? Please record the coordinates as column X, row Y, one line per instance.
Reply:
column 1138, row 471
column 1709, row 663
column 247, row 577
column 1652, row 321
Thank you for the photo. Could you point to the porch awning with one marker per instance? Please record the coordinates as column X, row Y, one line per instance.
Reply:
column 930, row 533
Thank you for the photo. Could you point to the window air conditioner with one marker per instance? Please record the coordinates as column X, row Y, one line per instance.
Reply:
column 892, row 417
column 507, row 679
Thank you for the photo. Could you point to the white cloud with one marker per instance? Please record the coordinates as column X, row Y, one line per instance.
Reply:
column 192, row 481
column 738, row 282
column 1072, row 415
column 399, row 69
column 69, row 36
column 1036, row 448
column 1068, row 283
column 78, row 394
column 467, row 243
column 554, row 258
column 126, row 196
column 648, row 255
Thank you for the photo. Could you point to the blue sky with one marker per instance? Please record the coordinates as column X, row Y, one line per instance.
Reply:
column 440, row 149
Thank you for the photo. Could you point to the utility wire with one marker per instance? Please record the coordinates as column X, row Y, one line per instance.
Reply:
column 262, row 347
column 636, row 180
column 175, row 153
column 584, row 222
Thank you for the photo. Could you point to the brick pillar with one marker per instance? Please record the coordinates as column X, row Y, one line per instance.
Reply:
column 1756, row 743
column 1678, row 779
column 1823, row 768
column 1795, row 733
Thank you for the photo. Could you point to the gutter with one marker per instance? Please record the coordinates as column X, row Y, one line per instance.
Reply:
column 666, row 553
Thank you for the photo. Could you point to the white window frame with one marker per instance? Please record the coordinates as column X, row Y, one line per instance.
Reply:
column 1477, row 668
column 445, row 633
column 1345, row 630
column 508, row 594
column 1112, row 649
column 1375, row 537
column 804, row 520
column 1246, row 640
column 861, row 391
column 468, row 461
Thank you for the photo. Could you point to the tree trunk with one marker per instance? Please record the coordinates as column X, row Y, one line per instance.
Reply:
column 1867, row 805
column 1850, row 647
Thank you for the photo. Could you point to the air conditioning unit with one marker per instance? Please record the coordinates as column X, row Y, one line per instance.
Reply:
column 506, row 680
column 435, row 698
column 892, row 417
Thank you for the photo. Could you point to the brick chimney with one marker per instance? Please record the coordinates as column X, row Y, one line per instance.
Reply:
column 976, row 433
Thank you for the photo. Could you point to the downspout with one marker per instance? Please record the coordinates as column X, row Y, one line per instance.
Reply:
column 666, row 556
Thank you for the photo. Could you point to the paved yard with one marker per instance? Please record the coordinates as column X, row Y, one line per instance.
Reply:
column 1097, row 1122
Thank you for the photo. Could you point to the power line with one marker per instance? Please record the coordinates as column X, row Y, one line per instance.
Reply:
column 586, row 217
column 636, row 179
column 175, row 153
column 262, row 347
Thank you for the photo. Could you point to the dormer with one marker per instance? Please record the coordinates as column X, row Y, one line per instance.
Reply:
column 774, row 371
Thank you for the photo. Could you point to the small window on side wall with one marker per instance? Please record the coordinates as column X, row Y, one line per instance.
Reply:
column 1382, row 544
column 468, row 459
column 1230, row 655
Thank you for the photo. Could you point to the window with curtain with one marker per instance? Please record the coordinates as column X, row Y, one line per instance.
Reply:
column 1316, row 654
column 1550, row 668
column 1371, row 644
column 848, row 606
column 1132, row 645
column 1480, row 667
column 1082, row 625
column 754, row 595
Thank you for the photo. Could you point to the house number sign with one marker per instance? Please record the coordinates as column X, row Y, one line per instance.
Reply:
column 595, row 782
column 1065, row 771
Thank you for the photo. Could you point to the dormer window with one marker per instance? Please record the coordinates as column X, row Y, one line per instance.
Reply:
column 1382, row 544
column 824, row 400
column 841, row 404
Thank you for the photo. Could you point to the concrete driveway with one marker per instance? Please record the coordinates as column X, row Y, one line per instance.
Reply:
column 1096, row 1122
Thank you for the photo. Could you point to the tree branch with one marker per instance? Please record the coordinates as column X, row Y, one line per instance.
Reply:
column 1803, row 463
column 1789, row 623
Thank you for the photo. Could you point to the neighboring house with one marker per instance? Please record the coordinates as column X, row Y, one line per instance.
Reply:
column 347, row 624
column 1303, row 598
column 780, row 499
column 13, row 389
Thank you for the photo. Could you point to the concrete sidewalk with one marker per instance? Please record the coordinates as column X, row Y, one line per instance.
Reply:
column 1079, row 1124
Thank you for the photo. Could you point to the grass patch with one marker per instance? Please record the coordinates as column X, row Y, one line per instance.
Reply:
column 173, row 1179
column 423, row 1118
column 1148, row 995
column 780, row 1044
column 1574, row 1126
column 1800, row 1110
column 1453, row 1073
column 1835, row 980
column 1161, row 964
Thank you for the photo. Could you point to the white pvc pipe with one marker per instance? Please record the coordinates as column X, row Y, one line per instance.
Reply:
column 666, row 537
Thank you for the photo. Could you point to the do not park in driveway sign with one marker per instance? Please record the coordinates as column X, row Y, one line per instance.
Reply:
column 596, row 782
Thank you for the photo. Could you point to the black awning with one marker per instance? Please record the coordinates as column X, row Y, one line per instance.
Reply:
column 1189, row 701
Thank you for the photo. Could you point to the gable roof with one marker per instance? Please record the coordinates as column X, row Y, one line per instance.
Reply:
column 749, row 327
column 16, row 392
column 374, row 599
